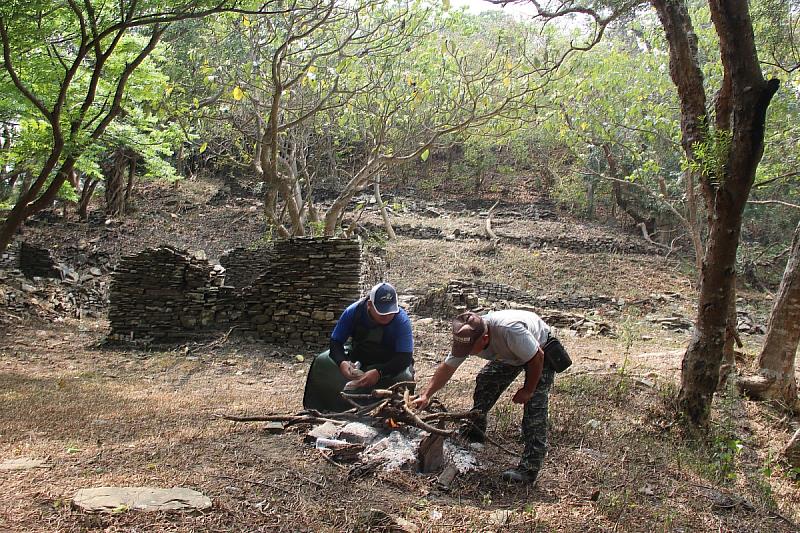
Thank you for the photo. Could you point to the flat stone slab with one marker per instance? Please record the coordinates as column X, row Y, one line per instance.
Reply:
column 23, row 463
column 148, row 499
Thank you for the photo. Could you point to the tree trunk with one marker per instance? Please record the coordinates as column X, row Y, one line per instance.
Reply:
column 89, row 186
column 701, row 363
column 725, row 189
column 628, row 205
column 115, row 186
column 590, row 186
column 777, row 359
column 384, row 215
column 334, row 212
column 731, row 339
column 7, row 183
column 179, row 163
column 73, row 180
column 129, row 187
column 694, row 221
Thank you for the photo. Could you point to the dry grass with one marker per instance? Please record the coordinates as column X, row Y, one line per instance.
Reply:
column 417, row 263
column 102, row 415
column 105, row 416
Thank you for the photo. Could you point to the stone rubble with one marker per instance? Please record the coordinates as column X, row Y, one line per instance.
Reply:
column 458, row 295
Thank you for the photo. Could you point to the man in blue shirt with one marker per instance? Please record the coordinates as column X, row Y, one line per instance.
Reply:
column 380, row 352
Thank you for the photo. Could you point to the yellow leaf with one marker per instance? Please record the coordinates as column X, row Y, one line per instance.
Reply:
column 245, row 21
column 238, row 93
column 507, row 81
column 168, row 90
column 203, row 147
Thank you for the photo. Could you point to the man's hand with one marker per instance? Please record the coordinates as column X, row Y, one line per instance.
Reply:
column 522, row 396
column 349, row 371
column 421, row 401
column 369, row 379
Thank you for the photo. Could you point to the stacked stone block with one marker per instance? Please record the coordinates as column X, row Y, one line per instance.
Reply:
column 244, row 265
column 37, row 262
column 300, row 296
column 164, row 294
column 9, row 260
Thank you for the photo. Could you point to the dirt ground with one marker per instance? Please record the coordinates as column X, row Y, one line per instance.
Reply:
column 108, row 415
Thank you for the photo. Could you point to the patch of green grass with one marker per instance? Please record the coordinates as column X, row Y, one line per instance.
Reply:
column 615, row 503
column 507, row 417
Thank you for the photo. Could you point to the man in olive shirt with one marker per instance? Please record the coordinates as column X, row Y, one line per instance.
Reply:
column 511, row 341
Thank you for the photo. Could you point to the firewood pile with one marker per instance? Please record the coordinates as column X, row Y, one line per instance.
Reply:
column 376, row 413
column 385, row 408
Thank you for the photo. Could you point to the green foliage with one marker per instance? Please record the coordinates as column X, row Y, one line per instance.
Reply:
column 412, row 80
column 711, row 156
column 317, row 228
column 725, row 444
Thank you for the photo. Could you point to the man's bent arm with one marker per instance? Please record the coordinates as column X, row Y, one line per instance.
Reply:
column 337, row 352
column 533, row 371
column 399, row 362
column 442, row 375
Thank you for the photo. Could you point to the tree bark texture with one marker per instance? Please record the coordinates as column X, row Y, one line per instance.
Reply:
column 115, row 184
column 387, row 224
column 89, row 186
column 777, row 359
column 725, row 190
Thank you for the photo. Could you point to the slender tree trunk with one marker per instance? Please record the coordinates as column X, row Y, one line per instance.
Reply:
column 179, row 163
column 115, row 186
column 776, row 363
column 27, row 200
column 382, row 207
column 361, row 178
column 731, row 339
column 8, row 182
column 131, row 177
column 89, row 186
column 694, row 221
column 590, row 187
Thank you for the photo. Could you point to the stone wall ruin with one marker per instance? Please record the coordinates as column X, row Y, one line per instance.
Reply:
column 457, row 296
column 164, row 294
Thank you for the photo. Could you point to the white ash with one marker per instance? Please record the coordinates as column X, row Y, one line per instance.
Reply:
column 398, row 448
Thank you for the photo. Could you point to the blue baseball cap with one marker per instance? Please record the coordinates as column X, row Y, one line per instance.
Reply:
column 384, row 299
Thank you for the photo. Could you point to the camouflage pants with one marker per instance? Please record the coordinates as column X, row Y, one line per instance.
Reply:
column 492, row 380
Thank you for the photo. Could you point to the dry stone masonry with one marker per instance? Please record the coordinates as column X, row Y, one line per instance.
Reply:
column 564, row 241
column 165, row 294
column 459, row 295
column 9, row 259
column 37, row 262
column 244, row 265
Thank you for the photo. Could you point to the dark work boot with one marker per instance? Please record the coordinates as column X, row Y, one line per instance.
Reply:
column 471, row 433
column 520, row 475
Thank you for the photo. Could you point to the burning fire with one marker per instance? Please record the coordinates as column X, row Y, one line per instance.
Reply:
column 391, row 423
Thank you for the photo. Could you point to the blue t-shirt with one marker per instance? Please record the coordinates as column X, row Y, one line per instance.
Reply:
column 397, row 334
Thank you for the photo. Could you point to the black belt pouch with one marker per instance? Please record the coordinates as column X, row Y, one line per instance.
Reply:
column 555, row 356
